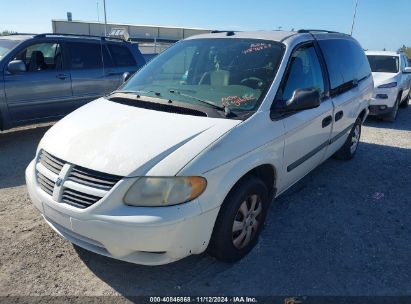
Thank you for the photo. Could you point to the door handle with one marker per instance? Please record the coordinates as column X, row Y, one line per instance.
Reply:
column 339, row 115
column 327, row 121
column 62, row 76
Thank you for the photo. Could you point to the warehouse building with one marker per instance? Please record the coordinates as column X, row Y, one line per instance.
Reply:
column 151, row 39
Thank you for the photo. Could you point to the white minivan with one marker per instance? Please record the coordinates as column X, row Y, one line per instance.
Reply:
column 189, row 153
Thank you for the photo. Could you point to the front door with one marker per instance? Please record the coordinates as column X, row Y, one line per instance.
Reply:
column 307, row 132
column 44, row 89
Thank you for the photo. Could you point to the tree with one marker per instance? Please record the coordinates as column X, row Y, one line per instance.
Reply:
column 7, row 32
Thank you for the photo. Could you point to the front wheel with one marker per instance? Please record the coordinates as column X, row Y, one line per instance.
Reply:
column 240, row 220
column 404, row 104
column 347, row 151
column 390, row 117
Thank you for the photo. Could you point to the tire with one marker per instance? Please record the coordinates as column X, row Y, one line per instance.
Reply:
column 404, row 104
column 390, row 117
column 348, row 150
column 238, row 224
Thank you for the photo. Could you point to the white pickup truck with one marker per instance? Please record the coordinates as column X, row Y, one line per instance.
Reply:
column 189, row 153
column 392, row 80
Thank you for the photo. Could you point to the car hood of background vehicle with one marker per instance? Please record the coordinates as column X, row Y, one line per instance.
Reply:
column 383, row 78
column 128, row 141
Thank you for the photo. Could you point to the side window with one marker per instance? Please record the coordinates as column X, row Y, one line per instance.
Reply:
column 85, row 56
column 42, row 57
column 304, row 72
column 360, row 65
column 121, row 55
column 346, row 61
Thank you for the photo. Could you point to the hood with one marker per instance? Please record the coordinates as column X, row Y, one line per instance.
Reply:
column 128, row 141
column 383, row 78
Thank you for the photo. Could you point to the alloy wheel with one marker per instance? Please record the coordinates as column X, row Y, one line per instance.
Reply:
column 247, row 221
column 355, row 139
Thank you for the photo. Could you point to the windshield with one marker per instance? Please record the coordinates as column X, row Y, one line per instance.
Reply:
column 224, row 73
column 6, row 45
column 385, row 64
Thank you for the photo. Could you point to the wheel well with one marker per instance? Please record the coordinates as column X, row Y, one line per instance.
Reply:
column 264, row 172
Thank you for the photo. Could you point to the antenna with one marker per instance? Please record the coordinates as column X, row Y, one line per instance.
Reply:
column 98, row 13
column 353, row 18
column 105, row 18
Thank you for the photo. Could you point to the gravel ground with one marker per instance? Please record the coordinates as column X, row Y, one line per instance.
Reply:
column 345, row 229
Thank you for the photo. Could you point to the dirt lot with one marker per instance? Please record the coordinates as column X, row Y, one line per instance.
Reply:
column 345, row 229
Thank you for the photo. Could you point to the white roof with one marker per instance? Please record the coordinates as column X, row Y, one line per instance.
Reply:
column 382, row 53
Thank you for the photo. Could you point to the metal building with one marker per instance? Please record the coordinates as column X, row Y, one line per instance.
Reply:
column 151, row 38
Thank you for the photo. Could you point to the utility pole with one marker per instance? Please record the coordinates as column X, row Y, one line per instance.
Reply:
column 353, row 18
column 105, row 19
column 98, row 13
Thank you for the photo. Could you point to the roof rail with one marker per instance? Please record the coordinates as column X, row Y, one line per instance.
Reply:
column 303, row 31
column 77, row 35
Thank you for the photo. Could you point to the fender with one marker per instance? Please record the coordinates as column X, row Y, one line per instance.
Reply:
column 222, row 179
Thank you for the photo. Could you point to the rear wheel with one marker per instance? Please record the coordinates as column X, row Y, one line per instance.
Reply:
column 240, row 220
column 347, row 151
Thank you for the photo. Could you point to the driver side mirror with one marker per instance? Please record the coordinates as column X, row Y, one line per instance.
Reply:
column 16, row 66
column 302, row 99
column 407, row 70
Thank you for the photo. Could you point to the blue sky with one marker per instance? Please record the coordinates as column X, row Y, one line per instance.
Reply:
column 379, row 24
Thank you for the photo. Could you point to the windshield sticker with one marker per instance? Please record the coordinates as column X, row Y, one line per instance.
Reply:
column 236, row 100
column 256, row 47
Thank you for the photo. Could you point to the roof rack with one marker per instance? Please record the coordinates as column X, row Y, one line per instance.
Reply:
column 303, row 31
column 77, row 35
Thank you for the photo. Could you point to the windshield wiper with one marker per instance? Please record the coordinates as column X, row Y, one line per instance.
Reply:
column 226, row 110
column 139, row 92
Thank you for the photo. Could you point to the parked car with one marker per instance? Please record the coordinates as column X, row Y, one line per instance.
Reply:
column 392, row 79
column 44, row 77
column 189, row 152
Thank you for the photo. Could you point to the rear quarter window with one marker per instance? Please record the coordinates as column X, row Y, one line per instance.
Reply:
column 121, row 55
column 85, row 56
column 346, row 61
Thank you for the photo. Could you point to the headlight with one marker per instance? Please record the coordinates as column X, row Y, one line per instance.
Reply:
column 164, row 191
column 388, row 85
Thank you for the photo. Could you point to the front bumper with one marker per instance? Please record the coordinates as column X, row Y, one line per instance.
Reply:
column 383, row 101
column 142, row 235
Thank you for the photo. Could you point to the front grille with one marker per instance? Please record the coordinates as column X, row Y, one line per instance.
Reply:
column 78, row 199
column 46, row 184
column 81, row 187
column 52, row 163
column 93, row 178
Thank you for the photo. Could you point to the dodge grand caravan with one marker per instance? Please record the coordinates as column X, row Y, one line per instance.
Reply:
column 189, row 153
column 44, row 77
